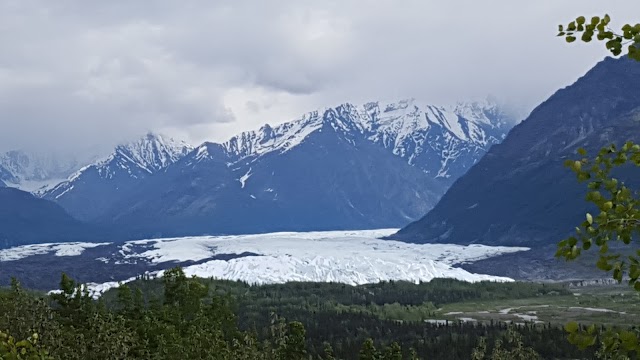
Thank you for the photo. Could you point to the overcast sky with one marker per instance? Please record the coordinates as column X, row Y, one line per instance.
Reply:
column 75, row 73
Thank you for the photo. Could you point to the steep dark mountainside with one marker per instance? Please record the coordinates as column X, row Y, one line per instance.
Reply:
column 26, row 219
column 520, row 193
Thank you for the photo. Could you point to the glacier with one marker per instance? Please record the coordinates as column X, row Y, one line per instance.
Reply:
column 58, row 249
column 348, row 257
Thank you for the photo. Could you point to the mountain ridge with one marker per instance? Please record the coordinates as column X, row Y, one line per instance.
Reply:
column 111, row 175
column 265, row 173
column 390, row 125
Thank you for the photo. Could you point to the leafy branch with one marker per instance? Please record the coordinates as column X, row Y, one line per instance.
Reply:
column 628, row 36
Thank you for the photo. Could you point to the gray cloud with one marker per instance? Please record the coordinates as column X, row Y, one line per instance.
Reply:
column 77, row 73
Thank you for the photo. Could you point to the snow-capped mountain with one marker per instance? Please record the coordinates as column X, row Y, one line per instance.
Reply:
column 142, row 157
column 30, row 170
column 93, row 188
column 441, row 141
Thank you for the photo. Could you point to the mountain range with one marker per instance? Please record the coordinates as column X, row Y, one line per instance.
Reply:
column 347, row 167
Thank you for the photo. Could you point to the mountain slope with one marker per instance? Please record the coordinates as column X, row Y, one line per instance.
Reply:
column 520, row 193
column 326, row 183
column 93, row 189
column 26, row 219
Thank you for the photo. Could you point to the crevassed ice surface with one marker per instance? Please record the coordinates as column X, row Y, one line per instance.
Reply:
column 58, row 249
column 350, row 257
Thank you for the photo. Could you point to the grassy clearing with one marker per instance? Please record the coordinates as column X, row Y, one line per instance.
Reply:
column 609, row 305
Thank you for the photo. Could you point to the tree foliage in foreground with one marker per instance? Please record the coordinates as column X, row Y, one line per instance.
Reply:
column 616, row 41
column 618, row 217
column 28, row 349
column 178, row 317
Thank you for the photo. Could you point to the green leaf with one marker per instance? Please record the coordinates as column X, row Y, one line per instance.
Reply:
column 580, row 20
column 617, row 274
column 582, row 151
column 571, row 327
column 571, row 39
column 589, row 219
column 575, row 252
column 629, row 340
column 634, row 272
column 594, row 195
column 603, row 264
column 577, row 165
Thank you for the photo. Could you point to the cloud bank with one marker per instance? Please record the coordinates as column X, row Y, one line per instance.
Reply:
column 76, row 74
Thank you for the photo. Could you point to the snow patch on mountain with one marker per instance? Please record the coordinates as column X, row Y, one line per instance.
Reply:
column 243, row 179
column 202, row 153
